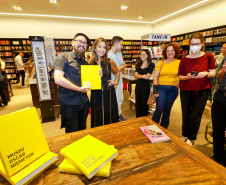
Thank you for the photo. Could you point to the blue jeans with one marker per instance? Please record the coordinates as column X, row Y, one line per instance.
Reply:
column 164, row 103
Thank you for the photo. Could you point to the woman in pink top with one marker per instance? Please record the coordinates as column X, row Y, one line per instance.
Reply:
column 194, row 71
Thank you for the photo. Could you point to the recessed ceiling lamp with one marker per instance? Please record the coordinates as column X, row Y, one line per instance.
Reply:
column 53, row 1
column 17, row 8
column 141, row 17
column 124, row 7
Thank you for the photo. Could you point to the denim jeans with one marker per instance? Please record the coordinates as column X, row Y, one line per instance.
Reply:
column 164, row 103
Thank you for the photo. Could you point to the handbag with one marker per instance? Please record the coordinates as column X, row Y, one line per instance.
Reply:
column 151, row 99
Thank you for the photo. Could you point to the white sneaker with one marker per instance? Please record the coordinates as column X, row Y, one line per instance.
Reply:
column 24, row 86
column 190, row 142
column 184, row 138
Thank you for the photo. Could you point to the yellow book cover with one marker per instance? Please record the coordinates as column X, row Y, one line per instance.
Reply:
column 90, row 76
column 30, row 172
column 89, row 155
column 67, row 167
column 22, row 139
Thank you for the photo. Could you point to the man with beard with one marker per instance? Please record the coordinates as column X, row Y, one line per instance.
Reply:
column 74, row 103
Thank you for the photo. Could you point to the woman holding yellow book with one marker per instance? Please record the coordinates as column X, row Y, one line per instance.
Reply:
column 104, row 109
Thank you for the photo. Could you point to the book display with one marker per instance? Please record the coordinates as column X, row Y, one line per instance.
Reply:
column 9, row 48
column 24, row 153
column 214, row 38
column 89, row 155
column 130, row 51
column 67, row 167
column 63, row 45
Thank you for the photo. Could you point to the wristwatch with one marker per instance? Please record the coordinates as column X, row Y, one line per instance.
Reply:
column 208, row 74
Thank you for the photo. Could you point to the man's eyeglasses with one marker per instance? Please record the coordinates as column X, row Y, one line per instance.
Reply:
column 81, row 42
column 195, row 44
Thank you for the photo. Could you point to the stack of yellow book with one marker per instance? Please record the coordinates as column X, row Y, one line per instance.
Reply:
column 24, row 152
column 88, row 156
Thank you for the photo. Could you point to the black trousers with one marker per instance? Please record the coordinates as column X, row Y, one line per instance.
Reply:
column 219, row 125
column 193, row 105
column 73, row 117
column 3, row 94
column 22, row 73
column 142, row 91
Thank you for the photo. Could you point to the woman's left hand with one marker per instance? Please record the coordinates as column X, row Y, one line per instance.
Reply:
column 202, row 74
column 101, row 73
column 111, row 82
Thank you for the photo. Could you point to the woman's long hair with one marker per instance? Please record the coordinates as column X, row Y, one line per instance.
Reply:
column 94, row 57
column 139, row 64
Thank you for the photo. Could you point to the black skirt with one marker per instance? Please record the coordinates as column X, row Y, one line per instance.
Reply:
column 104, row 107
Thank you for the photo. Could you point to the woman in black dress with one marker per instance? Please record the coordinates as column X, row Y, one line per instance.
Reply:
column 143, row 72
column 104, row 107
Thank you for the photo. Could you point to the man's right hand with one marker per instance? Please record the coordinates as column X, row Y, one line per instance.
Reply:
column 84, row 89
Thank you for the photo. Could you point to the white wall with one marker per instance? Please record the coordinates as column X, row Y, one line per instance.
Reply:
column 20, row 27
column 211, row 15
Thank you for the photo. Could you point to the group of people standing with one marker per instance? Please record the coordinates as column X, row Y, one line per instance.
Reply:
column 190, row 75
column 105, row 103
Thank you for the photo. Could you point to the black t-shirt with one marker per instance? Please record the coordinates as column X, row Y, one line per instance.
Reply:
column 70, row 64
column 149, row 69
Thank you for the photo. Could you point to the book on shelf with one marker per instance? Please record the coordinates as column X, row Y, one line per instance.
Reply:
column 154, row 134
column 31, row 171
column 89, row 155
column 67, row 167
column 22, row 143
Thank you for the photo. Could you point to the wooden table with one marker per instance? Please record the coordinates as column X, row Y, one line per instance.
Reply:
column 138, row 162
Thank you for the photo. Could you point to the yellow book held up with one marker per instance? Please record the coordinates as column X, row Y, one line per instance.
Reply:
column 67, row 167
column 90, row 76
column 30, row 172
column 22, row 140
column 89, row 155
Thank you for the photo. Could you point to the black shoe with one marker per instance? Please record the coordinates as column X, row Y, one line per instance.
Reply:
column 121, row 118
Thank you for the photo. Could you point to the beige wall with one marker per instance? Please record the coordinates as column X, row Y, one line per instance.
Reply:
column 208, row 16
column 59, row 28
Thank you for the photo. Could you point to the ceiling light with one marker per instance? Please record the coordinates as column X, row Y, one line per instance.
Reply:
column 180, row 10
column 53, row 1
column 124, row 7
column 141, row 17
column 72, row 17
column 17, row 8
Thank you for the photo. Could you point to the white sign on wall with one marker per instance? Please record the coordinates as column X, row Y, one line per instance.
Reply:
column 159, row 37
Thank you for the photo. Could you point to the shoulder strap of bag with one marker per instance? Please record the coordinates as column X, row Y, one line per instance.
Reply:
column 208, row 59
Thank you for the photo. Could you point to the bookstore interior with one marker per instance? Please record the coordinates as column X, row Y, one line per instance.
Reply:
column 35, row 149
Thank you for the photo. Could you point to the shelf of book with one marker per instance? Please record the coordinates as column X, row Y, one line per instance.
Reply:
column 130, row 52
column 214, row 38
column 9, row 48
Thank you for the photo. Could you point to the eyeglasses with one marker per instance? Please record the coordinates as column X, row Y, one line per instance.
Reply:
column 81, row 42
column 195, row 44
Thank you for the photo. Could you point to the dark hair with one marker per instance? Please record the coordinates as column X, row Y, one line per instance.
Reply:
column 175, row 47
column 87, row 38
column 139, row 64
column 199, row 36
column 116, row 39
column 94, row 58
